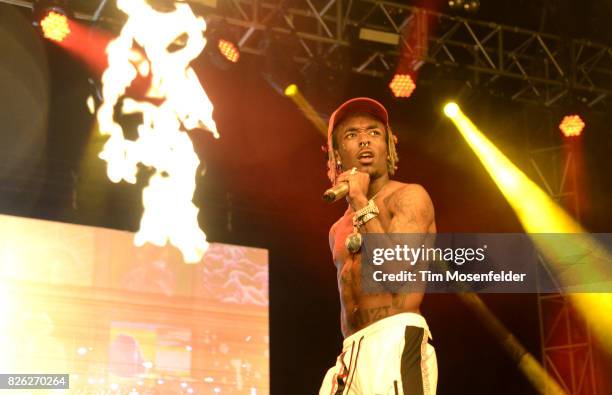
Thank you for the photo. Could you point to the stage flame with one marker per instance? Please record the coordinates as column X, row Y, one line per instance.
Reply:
column 179, row 104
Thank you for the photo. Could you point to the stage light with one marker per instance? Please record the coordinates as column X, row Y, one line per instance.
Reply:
column 455, row 4
column 379, row 36
column 471, row 5
column 540, row 215
column 451, row 109
column 55, row 26
column 223, row 49
column 464, row 5
column 291, row 90
column 536, row 211
column 229, row 50
column 402, row 85
column 572, row 125
column 53, row 18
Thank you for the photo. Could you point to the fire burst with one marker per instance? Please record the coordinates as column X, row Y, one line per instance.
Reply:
column 180, row 103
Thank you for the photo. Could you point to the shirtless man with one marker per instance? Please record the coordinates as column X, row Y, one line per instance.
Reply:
column 386, row 349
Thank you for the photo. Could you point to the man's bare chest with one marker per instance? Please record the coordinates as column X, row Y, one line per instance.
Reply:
column 344, row 228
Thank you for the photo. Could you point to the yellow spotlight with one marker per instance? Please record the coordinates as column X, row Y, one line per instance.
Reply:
column 291, row 90
column 451, row 109
column 575, row 256
column 296, row 96
column 537, row 212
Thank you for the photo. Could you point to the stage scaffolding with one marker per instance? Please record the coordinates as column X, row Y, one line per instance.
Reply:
column 528, row 66
column 565, row 339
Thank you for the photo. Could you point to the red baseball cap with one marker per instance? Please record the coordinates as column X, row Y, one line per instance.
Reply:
column 358, row 104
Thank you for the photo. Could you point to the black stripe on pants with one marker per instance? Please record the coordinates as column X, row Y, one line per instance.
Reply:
column 412, row 376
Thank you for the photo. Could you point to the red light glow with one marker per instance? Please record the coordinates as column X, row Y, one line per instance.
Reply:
column 55, row 26
column 402, row 85
column 572, row 125
column 229, row 50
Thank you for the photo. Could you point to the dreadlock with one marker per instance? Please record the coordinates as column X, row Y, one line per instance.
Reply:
column 333, row 168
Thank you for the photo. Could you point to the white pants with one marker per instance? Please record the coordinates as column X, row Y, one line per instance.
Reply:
column 389, row 357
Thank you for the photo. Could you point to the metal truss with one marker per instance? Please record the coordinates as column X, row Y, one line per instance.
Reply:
column 567, row 346
column 565, row 338
column 553, row 164
column 529, row 66
column 524, row 65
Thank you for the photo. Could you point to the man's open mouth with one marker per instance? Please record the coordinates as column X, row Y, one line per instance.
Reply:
column 365, row 154
column 365, row 157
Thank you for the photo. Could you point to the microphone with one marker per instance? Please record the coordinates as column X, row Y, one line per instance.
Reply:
column 336, row 192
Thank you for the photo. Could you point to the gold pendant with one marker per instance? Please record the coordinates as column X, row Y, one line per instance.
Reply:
column 353, row 242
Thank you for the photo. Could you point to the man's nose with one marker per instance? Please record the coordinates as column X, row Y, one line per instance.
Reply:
column 364, row 139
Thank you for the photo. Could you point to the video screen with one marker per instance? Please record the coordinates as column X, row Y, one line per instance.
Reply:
column 85, row 301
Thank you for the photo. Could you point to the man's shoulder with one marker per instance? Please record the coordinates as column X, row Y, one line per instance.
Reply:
column 412, row 208
column 399, row 191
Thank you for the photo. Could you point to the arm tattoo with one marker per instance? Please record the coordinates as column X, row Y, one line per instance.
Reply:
column 412, row 211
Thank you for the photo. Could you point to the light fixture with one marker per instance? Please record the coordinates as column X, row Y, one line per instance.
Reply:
column 229, row 50
column 470, row 6
column 402, row 85
column 572, row 125
column 53, row 18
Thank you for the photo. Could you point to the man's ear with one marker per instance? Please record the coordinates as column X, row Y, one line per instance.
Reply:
column 337, row 156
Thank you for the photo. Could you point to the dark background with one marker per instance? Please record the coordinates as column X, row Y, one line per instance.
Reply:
column 262, row 181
